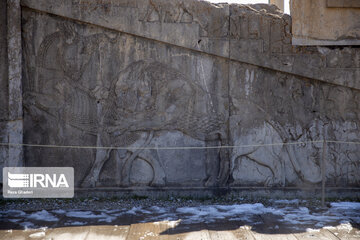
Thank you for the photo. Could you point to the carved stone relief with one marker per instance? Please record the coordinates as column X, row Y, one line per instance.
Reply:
column 76, row 90
column 91, row 86
column 271, row 107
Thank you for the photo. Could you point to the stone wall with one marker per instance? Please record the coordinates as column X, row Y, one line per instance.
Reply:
column 11, row 107
column 326, row 22
column 171, row 85
column 3, row 84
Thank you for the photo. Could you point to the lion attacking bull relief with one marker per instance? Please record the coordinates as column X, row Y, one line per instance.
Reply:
column 139, row 107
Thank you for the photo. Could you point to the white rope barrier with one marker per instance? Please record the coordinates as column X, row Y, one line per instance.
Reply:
column 172, row 148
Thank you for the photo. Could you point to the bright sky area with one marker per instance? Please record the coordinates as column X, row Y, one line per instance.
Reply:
column 287, row 6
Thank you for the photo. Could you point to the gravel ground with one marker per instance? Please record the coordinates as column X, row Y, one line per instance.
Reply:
column 98, row 203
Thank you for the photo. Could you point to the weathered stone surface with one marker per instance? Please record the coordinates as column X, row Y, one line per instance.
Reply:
column 343, row 3
column 278, row 3
column 3, row 65
column 11, row 108
column 325, row 22
column 15, row 107
column 257, row 34
column 269, row 107
column 204, row 24
column 264, row 39
column 98, row 87
column 3, row 84
column 178, row 82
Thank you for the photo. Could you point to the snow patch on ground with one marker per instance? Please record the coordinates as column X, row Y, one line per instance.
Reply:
column 102, row 217
column 83, row 214
column 58, row 211
column 43, row 215
column 285, row 212
column 157, row 209
column 136, row 210
column 312, row 230
column 75, row 223
column 107, row 219
column 285, row 201
column 13, row 213
column 346, row 205
column 37, row 235
column 345, row 226
column 14, row 220
column 27, row 225
column 211, row 213
column 171, row 224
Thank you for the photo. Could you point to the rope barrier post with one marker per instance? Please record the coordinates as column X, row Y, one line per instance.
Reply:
column 323, row 175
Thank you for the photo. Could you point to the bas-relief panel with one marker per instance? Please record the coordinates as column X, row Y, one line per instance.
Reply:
column 272, row 107
column 97, row 87
column 87, row 85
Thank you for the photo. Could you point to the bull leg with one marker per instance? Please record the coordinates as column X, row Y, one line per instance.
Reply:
column 217, row 161
column 102, row 155
column 224, row 161
column 212, row 162
column 131, row 158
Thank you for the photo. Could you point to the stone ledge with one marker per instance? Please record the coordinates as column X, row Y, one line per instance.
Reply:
column 200, row 192
column 318, row 42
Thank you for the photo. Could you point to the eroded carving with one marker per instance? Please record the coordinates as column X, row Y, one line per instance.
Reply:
column 144, row 98
column 294, row 111
column 106, row 89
